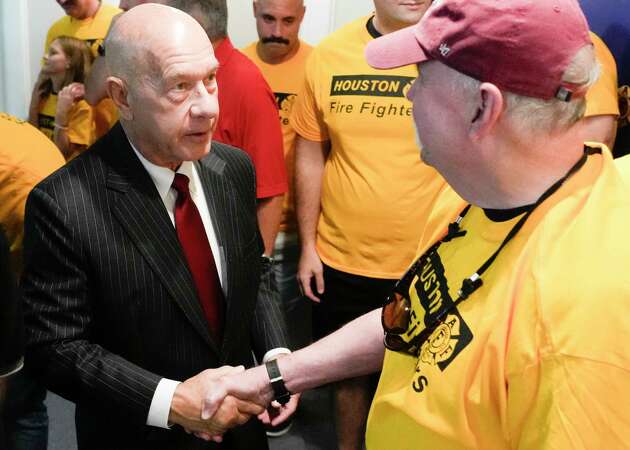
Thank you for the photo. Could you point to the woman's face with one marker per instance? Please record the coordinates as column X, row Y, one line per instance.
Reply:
column 55, row 61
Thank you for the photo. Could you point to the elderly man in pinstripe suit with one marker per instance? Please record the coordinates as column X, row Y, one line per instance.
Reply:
column 143, row 255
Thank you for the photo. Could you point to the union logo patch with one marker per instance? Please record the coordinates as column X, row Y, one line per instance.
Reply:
column 452, row 335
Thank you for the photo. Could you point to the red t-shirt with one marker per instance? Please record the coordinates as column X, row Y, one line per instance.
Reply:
column 248, row 118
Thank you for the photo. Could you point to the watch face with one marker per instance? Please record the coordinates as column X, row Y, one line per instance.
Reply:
column 280, row 392
column 266, row 260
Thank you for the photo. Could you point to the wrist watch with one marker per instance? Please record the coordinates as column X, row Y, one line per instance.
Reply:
column 266, row 263
column 280, row 391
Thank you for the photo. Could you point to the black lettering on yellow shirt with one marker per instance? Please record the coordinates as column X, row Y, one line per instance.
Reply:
column 370, row 85
column 452, row 335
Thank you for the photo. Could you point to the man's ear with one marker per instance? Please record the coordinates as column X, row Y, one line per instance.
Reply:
column 489, row 109
column 117, row 90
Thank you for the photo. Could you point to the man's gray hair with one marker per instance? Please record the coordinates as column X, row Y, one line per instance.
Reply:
column 211, row 14
column 534, row 116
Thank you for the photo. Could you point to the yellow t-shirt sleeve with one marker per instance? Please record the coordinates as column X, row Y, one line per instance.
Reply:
column 572, row 407
column 81, row 124
column 306, row 117
column 601, row 98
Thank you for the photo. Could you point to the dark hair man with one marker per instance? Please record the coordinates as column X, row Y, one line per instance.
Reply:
column 360, row 187
column 281, row 57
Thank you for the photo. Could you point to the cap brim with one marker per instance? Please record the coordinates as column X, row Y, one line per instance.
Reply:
column 396, row 49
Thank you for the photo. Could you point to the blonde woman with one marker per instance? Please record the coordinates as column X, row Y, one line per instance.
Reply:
column 58, row 108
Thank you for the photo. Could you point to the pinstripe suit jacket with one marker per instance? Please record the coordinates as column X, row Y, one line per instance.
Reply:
column 111, row 306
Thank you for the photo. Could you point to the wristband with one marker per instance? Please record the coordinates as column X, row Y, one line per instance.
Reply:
column 281, row 394
column 61, row 127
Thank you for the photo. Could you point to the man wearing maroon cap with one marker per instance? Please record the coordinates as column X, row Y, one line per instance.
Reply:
column 509, row 329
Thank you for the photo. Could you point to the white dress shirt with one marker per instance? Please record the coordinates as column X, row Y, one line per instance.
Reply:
column 163, row 179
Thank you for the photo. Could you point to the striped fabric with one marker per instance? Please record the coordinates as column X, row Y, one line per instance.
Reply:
column 110, row 304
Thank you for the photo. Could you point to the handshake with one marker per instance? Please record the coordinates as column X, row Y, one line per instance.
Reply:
column 216, row 400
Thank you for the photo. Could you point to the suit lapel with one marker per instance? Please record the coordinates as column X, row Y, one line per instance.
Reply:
column 141, row 212
column 221, row 204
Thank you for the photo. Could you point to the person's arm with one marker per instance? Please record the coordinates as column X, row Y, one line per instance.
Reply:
column 269, row 214
column 66, row 100
column 310, row 158
column 354, row 350
column 260, row 137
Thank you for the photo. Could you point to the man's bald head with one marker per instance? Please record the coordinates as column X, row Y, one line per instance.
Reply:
column 292, row 3
column 134, row 49
column 162, row 80
column 126, row 5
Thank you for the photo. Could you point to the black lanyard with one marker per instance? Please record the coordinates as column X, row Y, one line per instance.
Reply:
column 473, row 282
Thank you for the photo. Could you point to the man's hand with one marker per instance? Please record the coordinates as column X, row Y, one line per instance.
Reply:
column 253, row 386
column 310, row 266
column 186, row 406
column 276, row 413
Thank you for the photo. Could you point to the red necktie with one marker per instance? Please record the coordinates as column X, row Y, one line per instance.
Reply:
column 194, row 241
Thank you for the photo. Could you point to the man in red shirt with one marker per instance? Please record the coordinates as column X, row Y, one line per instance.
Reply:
column 249, row 115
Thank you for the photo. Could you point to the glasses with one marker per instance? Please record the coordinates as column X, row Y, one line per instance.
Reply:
column 396, row 315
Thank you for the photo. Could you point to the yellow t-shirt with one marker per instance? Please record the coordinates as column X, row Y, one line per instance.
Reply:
column 376, row 193
column 285, row 81
column 26, row 158
column 536, row 358
column 601, row 98
column 80, row 121
column 92, row 30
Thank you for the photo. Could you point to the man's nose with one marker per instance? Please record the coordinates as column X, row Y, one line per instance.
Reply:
column 205, row 104
column 277, row 29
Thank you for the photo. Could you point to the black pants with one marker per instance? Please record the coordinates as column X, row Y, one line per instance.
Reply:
column 346, row 297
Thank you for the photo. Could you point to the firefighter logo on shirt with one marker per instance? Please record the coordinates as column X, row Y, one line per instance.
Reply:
column 452, row 334
column 441, row 344
column 407, row 87
column 285, row 101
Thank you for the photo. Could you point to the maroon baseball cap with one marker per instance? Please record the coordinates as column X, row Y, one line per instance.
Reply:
column 521, row 46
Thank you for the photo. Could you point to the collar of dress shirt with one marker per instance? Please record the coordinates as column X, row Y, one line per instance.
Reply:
column 163, row 176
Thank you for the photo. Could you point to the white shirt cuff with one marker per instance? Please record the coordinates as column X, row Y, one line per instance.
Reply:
column 274, row 353
column 161, row 403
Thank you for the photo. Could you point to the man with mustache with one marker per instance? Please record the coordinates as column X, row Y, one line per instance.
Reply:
column 360, row 187
column 281, row 56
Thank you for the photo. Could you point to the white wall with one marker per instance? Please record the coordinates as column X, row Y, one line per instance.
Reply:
column 24, row 23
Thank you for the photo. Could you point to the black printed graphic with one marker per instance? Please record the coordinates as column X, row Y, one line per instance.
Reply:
column 370, row 85
column 452, row 335
column 285, row 101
